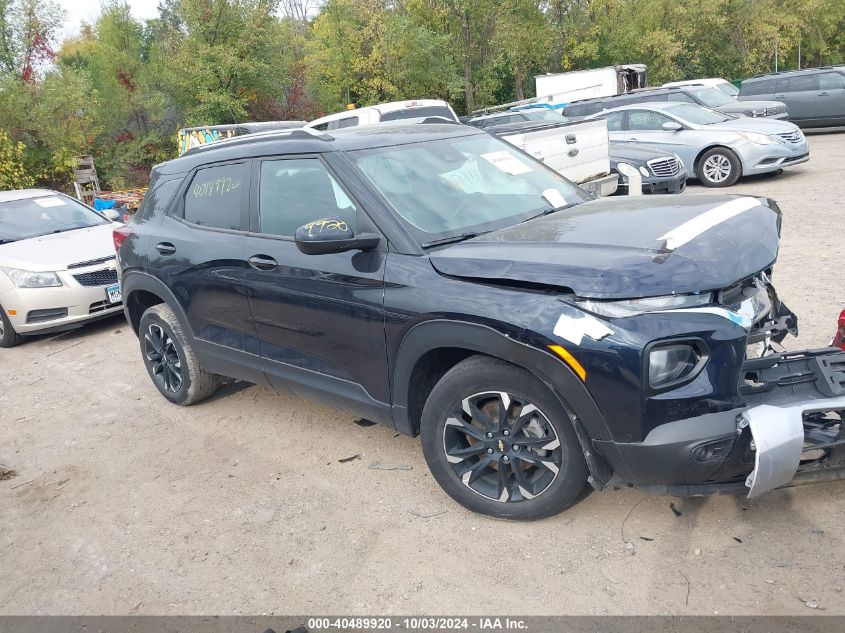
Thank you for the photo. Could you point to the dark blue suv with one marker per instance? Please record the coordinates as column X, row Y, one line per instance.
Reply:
column 435, row 279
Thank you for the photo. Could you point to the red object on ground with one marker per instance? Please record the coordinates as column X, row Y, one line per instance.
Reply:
column 839, row 337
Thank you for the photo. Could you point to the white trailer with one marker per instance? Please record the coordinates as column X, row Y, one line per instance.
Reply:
column 585, row 84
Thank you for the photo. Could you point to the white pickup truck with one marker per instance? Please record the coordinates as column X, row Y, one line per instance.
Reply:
column 579, row 151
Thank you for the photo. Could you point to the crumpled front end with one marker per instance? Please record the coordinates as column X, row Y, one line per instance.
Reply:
column 795, row 419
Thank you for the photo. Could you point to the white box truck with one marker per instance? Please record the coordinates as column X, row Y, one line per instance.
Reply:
column 585, row 84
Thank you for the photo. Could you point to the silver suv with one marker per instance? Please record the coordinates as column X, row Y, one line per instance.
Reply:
column 815, row 96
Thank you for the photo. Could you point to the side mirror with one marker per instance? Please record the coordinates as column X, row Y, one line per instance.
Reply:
column 332, row 235
column 672, row 126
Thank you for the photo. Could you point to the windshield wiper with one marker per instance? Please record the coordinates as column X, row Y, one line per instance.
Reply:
column 450, row 240
column 551, row 210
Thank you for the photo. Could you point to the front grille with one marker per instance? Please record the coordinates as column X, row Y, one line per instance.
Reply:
column 776, row 110
column 40, row 316
column 103, row 277
column 91, row 262
column 665, row 166
column 792, row 137
column 102, row 306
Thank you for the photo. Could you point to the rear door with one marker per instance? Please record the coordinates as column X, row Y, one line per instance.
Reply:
column 831, row 98
column 319, row 318
column 198, row 251
column 800, row 93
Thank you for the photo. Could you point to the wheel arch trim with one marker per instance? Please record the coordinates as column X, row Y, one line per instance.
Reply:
column 483, row 339
column 135, row 281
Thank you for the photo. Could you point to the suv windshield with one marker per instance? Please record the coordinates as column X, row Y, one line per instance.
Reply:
column 33, row 217
column 697, row 114
column 709, row 96
column 728, row 89
column 466, row 185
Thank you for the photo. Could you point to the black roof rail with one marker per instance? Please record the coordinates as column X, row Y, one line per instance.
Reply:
column 245, row 139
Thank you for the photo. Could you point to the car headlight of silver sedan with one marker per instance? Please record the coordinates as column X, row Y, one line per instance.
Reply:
column 29, row 279
column 760, row 139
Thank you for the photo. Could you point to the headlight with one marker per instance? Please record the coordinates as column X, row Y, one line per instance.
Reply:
column 672, row 362
column 760, row 139
column 644, row 171
column 631, row 307
column 755, row 113
column 27, row 279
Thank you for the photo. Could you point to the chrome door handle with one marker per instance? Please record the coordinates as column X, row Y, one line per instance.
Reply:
column 262, row 262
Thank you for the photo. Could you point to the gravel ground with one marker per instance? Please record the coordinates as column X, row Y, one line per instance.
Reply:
column 124, row 504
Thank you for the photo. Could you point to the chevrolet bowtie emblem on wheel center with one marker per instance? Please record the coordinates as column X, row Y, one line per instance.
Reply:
column 501, row 446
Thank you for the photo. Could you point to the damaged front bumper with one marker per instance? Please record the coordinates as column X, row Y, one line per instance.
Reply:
column 789, row 431
column 797, row 427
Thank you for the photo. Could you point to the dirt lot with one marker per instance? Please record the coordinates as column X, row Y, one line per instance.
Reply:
column 123, row 503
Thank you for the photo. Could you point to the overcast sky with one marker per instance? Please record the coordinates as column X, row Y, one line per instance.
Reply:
column 88, row 10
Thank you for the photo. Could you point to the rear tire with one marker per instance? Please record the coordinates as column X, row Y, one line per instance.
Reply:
column 500, row 443
column 170, row 359
column 8, row 336
column 718, row 167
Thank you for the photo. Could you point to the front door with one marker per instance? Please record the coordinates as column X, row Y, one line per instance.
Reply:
column 319, row 318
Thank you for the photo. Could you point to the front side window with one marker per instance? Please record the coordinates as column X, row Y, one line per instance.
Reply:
column 470, row 184
column 350, row 121
column 831, row 81
column 34, row 217
column 216, row 196
column 646, row 120
column 294, row 192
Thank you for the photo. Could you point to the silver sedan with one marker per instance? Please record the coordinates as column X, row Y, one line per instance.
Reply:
column 718, row 147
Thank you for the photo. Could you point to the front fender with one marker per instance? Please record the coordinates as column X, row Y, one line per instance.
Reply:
column 483, row 339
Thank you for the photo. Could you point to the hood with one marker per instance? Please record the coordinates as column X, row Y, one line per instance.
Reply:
column 637, row 154
column 56, row 251
column 745, row 106
column 625, row 248
column 754, row 124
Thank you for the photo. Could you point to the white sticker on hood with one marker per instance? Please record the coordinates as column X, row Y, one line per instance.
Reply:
column 52, row 201
column 691, row 229
column 575, row 329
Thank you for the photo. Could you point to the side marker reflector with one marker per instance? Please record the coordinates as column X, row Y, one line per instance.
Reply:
column 12, row 312
column 570, row 360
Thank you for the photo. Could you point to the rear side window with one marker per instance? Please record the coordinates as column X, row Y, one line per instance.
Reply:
column 760, row 87
column 413, row 113
column 350, row 121
column 582, row 109
column 216, row 196
column 614, row 121
column 801, row 83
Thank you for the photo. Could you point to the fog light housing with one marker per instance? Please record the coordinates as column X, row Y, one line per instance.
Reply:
column 672, row 363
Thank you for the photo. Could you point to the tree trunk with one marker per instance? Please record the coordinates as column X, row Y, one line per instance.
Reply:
column 517, row 84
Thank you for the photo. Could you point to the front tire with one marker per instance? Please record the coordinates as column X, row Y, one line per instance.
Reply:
column 8, row 336
column 718, row 167
column 500, row 443
column 170, row 359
